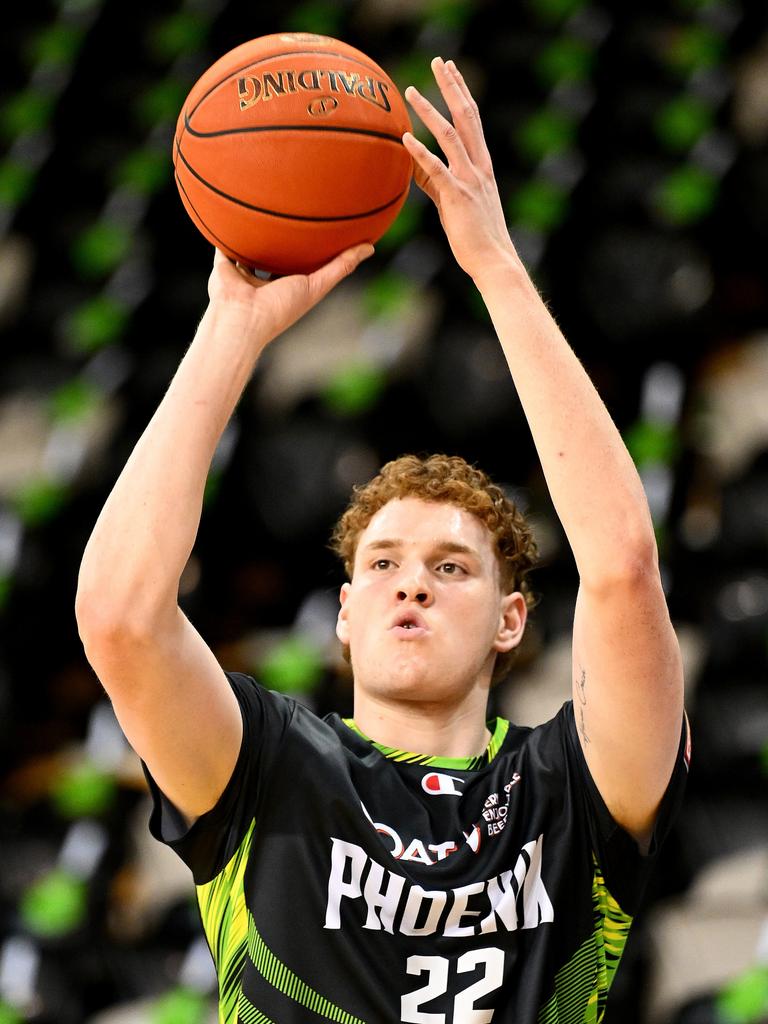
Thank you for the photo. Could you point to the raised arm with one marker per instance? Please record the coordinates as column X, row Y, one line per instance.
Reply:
column 169, row 693
column 627, row 675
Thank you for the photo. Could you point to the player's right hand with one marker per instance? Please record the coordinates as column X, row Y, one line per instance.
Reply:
column 273, row 305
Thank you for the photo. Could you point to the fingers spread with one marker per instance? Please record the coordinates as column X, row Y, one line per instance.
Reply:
column 428, row 169
column 464, row 110
column 444, row 132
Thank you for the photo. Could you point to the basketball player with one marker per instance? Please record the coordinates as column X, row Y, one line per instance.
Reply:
column 416, row 863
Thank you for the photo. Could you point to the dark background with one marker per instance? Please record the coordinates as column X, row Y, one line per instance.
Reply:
column 630, row 147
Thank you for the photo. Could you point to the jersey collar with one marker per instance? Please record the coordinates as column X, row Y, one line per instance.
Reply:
column 498, row 729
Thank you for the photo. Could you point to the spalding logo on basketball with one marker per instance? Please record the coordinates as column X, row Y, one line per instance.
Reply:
column 289, row 150
column 253, row 89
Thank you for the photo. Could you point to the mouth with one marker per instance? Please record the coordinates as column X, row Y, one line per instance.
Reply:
column 409, row 625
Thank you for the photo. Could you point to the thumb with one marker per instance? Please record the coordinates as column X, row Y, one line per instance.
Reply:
column 321, row 281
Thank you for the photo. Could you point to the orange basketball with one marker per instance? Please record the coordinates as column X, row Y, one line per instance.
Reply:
column 289, row 150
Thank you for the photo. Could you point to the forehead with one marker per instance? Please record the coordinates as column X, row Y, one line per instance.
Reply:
column 423, row 523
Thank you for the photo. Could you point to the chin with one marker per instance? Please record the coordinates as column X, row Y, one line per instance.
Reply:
column 411, row 682
column 413, row 694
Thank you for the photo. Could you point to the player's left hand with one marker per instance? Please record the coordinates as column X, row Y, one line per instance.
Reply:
column 464, row 191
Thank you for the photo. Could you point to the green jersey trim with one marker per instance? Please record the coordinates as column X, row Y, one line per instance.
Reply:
column 274, row 971
column 583, row 983
column 233, row 936
column 498, row 735
column 225, row 922
column 248, row 1014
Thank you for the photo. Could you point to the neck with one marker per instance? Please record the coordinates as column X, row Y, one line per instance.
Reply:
column 435, row 729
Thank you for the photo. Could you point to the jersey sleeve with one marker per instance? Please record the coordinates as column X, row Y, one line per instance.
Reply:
column 624, row 868
column 210, row 842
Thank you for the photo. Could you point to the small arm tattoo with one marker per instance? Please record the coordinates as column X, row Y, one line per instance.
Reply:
column 581, row 689
column 584, row 728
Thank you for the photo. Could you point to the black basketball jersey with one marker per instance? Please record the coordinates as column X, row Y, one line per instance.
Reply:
column 340, row 880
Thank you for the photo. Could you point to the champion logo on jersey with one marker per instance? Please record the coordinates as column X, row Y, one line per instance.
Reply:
column 437, row 784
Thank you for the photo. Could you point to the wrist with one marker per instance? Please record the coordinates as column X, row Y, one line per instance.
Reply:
column 503, row 271
column 238, row 319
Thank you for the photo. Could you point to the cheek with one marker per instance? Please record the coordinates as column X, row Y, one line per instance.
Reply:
column 482, row 619
column 359, row 613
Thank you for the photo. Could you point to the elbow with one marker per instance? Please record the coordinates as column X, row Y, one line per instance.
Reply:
column 116, row 649
column 640, row 560
column 89, row 613
column 96, row 610
column 101, row 628
column 108, row 625
column 96, row 613
column 635, row 566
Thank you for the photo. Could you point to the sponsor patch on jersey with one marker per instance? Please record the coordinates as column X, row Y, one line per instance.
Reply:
column 438, row 784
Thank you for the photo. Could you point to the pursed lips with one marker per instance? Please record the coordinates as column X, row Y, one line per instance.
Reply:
column 409, row 625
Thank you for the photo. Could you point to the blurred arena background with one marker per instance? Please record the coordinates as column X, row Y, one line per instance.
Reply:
column 630, row 141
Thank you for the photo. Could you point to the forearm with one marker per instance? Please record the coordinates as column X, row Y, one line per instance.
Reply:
column 141, row 542
column 592, row 480
column 147, row 528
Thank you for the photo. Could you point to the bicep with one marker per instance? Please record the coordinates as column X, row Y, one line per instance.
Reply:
column 628, row 695
column 177, row 710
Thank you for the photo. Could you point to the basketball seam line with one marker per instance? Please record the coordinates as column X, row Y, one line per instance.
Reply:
column 244, row 259
column 276, row 213
column 286, row 53
column 387, row 136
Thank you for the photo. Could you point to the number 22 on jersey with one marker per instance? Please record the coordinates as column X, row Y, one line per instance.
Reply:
column 437, row 969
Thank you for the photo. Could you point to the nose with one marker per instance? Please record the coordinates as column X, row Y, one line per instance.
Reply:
column 414, row 586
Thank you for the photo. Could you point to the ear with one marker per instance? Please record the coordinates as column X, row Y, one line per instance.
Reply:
column 514, row 613
column 342, row 625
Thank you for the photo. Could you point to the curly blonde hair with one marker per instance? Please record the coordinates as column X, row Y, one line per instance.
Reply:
column 452, row 480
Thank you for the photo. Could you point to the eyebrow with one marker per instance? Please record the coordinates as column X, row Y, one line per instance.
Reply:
column 452, row 546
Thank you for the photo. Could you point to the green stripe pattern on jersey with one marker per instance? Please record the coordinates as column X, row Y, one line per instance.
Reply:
column 225, row 921
column 233, row 937
column 582, row 985
column 248, row 1014
column 273, row 970
column 469, row 764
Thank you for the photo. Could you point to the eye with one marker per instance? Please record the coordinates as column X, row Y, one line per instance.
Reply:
column 450, row 568
column 381, row 563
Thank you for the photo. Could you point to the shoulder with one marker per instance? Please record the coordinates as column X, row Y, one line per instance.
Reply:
column 549, row 757
column 549, row 740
